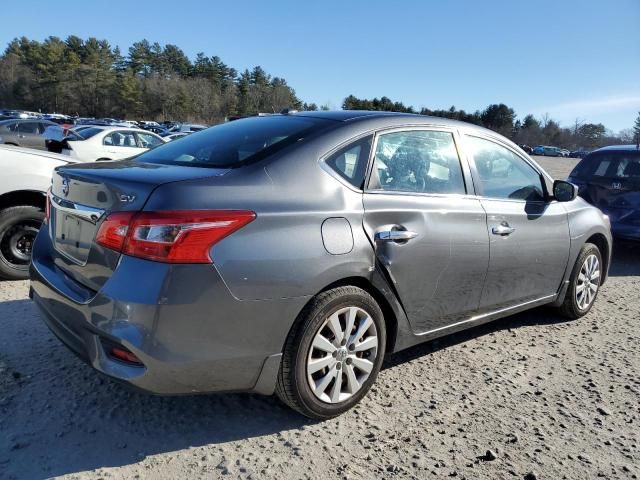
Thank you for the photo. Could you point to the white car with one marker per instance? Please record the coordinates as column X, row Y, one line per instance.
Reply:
column 109, row 143
column 25, row 179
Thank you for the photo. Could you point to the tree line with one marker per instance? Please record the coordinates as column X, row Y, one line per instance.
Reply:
column 502, row 119
column 152, row 82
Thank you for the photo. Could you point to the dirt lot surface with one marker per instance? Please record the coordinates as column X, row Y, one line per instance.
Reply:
column 530, row 396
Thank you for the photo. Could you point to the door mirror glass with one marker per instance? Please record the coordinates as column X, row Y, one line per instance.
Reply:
column 564, row 191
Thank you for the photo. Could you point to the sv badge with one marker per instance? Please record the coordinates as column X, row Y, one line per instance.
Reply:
column 127, row 198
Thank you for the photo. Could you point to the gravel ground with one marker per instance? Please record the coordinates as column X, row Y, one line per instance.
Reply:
column 530, row 396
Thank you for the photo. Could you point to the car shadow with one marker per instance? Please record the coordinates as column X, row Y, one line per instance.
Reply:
column 626, row 259
column 58, row 416
column 536, row 316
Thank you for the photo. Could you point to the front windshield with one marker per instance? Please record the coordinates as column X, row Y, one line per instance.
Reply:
column 233, row 143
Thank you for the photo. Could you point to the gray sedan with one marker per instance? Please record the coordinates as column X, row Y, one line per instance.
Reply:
column 25, row 133
column 290, row 253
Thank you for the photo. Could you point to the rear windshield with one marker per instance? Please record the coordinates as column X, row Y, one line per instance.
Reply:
column 613, row 164
column 234, row 143
column 86, row 133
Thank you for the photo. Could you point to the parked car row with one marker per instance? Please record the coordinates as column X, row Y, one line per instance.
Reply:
column 164, row 129
column 555, row 151
column 108, row 143
column 85, row 143
column 549, row 151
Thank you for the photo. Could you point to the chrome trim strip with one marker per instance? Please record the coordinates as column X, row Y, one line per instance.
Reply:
column 489, row 314
column 90, row 214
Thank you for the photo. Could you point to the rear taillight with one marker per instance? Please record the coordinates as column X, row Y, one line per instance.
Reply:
column 113, row 230
column 171, row 236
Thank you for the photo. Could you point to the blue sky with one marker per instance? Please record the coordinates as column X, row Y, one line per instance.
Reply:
column 569, row 58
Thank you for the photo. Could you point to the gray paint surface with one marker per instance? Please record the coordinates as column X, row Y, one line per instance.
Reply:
column 222, row 327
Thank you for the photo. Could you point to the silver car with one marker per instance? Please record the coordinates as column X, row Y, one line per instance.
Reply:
column 25, row 133
column 292, row 252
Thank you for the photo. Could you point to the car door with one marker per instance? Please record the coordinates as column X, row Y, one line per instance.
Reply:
column 427, row 227
column 529, row 235
column 121, row 144
column 29, row 135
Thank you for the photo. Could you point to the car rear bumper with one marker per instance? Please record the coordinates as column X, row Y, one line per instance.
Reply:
column 181, row 321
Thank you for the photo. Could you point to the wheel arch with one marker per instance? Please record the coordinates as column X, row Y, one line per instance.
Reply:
column 23, row 197
column 389, row 315
column 600, row 241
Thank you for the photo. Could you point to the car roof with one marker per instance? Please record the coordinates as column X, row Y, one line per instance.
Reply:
column 399, row 117
column 110, row 128
column 344, row 115
column 620, row 148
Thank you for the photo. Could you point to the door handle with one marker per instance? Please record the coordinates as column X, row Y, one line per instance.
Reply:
column 395, row 236
column 503, row 229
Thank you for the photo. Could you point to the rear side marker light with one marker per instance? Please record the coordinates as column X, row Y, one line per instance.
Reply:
column 47, row 208
column 181, row 236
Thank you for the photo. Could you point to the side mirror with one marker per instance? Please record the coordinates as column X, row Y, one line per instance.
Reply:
column 564, row 191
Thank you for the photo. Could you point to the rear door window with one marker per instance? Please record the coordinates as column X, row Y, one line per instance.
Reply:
column 29, row 128
column 121, row 139
column 350, row 162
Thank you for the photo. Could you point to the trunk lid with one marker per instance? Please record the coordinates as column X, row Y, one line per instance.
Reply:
column 83, row 195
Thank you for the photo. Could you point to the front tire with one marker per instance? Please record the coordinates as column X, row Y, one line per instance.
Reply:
column 584, row 283
column 333, row 353
column 18, row 228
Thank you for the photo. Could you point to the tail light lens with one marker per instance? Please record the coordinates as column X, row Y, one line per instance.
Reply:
column 172, row 236
column 113, row 231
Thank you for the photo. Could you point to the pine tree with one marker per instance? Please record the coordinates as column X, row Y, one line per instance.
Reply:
column 636, row 130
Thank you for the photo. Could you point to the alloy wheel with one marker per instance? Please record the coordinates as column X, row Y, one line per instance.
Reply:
column 587, row 282
column 342, row 355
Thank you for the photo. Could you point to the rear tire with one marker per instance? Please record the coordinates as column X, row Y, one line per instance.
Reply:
column 18, row 228
column 340, row 336
column 584, row 283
